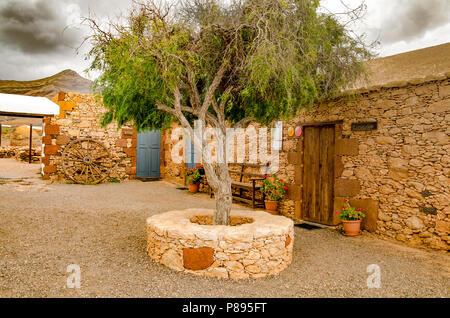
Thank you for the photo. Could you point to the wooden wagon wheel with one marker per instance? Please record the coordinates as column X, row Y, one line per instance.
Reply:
column 86, row 161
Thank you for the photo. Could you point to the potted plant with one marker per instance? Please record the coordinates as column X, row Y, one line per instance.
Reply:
column 274, row 189
column 192, row 178
column 201, row 169
column 351, row 219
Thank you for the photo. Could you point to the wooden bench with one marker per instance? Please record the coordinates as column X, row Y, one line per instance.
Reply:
column 254, row 184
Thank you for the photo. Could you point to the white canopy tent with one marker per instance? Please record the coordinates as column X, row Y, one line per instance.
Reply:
column 19, row 105
column 26, row 106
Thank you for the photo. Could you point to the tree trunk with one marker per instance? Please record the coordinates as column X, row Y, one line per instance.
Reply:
column 218, row 177
column 223, row 197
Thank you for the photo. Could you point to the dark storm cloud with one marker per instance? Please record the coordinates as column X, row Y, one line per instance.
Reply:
column 411, row 19
column 36, row 26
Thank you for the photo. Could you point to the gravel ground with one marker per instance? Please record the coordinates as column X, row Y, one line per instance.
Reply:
column 44, row 228
column 10, row 168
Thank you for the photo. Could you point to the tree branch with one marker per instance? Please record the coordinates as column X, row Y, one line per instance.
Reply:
column 243, row 122
column 214, row 85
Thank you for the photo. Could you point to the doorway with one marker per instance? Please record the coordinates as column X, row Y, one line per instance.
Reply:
column 148, row 154
column 318, row 174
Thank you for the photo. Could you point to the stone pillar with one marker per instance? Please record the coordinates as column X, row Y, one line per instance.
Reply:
column 128, row 143
column 49, row 148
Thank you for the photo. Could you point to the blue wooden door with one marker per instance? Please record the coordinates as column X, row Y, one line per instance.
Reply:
column 148, row 154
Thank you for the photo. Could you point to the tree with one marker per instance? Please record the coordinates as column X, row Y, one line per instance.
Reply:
column 224, row 63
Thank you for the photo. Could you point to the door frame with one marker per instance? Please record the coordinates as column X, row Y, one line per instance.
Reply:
column 337, row 127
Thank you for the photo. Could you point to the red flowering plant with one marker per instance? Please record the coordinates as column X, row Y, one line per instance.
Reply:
column 193, row 175
column 274, row 188
column 349, row 213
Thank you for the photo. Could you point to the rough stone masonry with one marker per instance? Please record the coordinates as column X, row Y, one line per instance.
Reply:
column 79, row 117
column 398, row 172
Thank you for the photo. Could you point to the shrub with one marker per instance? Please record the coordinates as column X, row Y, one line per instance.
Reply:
column 193, row 175
column 350, row 213
column 274, row 188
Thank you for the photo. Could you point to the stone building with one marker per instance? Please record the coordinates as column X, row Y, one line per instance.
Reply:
column 79, row 118
column 384, row 145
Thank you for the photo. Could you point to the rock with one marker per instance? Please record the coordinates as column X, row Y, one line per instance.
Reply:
column 398, row 168
column 234, row 266
column 439, row 107
column 198, row 258
column 364, row 174
column 247, row 262
column 218, row 272
column 411, row 150
column 427, row 170
column 418, row 186
column 396, row 226
column 384, row 217
column 416, row 163
column 253, row 269
column 383, row 140
column 172, row 259
column 437, row 137
column 398, row 164
column 443, row 226
column 413, row 194
column 376, row 161
column 444, row 91
column 386, row 189
column 425, row 234
column 288, row 241
column 236, row 275
column 445, row 159
column 414, row 223
column 253, row 255
column 347, row 173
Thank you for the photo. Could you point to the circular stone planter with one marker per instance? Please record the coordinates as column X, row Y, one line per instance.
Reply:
column 259, row 244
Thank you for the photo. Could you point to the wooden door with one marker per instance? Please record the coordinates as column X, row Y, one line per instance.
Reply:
column 149, row 154
column 318, row 174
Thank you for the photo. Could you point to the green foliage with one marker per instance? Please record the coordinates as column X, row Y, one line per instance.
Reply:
column 274, row 188
column 281, row 56
column 349, row 213
column 5, row 130
column 113, row 180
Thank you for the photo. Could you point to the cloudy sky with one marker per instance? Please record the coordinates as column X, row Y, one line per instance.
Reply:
column 38, row 38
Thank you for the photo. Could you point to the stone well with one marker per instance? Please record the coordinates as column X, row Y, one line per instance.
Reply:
column 256, row 244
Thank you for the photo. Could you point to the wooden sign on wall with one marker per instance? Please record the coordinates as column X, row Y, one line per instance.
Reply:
column 366, row 126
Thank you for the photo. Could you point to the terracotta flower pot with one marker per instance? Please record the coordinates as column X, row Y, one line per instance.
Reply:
column 271, row 206
column 193, row 187
column 352, row 228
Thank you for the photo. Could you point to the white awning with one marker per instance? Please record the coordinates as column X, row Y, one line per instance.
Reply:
column 20, row 105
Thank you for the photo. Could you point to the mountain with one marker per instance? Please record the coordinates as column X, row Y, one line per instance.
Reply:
column 65, row 81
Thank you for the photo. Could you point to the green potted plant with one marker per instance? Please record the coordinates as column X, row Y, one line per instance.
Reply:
column 193, row 177
column 274, row 190
column 351, row 219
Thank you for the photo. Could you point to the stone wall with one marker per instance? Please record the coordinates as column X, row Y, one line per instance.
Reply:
column 399, row 172
column 170, row 170
column 257, row 245
column 79, row 118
